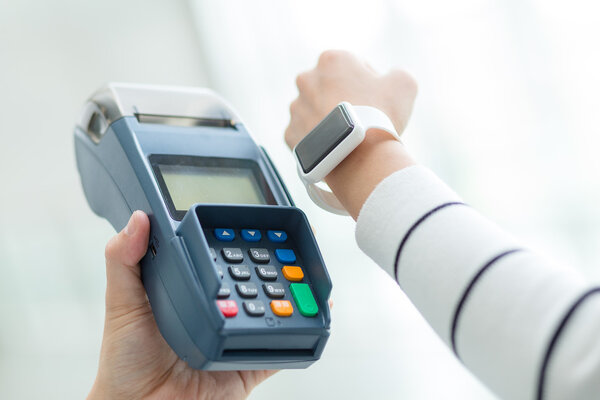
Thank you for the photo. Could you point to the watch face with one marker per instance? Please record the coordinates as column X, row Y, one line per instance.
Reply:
column 325, row 137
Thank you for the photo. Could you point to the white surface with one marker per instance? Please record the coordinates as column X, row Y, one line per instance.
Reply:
column 53, row 56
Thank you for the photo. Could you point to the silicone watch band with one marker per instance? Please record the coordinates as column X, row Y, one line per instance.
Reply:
column 369, row 118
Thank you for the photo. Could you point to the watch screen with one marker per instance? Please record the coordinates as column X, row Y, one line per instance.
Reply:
column 324, row 138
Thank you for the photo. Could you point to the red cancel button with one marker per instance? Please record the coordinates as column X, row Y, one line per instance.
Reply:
column 229, row 308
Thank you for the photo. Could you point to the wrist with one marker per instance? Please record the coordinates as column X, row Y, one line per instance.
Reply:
column 377, row 157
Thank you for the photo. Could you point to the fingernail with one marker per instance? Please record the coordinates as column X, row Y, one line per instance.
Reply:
column 131, row 226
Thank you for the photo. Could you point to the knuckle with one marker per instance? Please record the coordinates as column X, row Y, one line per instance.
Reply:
column 404, row 80
column 302, row 81
column 111, row 248
column 411, row 85
column 289, row 137
column 332, row 57
column 294, row 107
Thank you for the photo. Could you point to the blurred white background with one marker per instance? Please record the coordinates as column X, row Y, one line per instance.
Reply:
column 506, row 114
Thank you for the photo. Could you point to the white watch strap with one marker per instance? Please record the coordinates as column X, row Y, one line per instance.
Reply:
column 325, row 199
column 369, row 117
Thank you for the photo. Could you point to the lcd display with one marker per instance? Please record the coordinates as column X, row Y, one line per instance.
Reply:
column 323, row 139
column 190, row 184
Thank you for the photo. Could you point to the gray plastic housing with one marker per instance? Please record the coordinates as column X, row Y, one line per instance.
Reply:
column 180, row 278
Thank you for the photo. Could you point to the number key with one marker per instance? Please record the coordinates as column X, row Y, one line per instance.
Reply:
column 266, row 272
column 274, row 290
column 259, row 255
column 254, row 308
column 233, row 255
column 239, row 272
column 247, row 290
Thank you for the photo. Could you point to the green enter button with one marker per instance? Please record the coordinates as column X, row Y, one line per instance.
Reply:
column 304, row 299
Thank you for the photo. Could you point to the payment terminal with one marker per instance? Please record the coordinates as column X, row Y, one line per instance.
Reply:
column 233, row 272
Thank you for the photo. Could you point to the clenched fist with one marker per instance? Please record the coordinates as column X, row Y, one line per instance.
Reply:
column 341, row 76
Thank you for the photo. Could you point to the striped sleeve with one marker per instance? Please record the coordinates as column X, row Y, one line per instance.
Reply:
column 526, row 327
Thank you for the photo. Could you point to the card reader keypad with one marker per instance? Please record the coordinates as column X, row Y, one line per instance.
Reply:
column 262, row 266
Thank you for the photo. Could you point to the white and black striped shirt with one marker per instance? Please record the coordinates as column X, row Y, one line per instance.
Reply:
column 527, row 328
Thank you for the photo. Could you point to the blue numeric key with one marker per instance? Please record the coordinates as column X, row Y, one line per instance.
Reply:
column 285, row 256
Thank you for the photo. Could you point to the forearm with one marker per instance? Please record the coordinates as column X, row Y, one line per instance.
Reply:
column 353, row 180
column 495, row 303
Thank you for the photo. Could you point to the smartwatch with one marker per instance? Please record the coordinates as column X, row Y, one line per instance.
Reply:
column 330, row 142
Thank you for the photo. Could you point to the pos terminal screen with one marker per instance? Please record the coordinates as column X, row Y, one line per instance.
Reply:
column 189, row 180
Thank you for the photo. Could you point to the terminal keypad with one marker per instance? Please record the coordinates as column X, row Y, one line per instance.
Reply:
column 262, row 266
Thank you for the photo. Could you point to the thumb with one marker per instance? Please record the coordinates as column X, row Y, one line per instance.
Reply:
column 124, row 288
